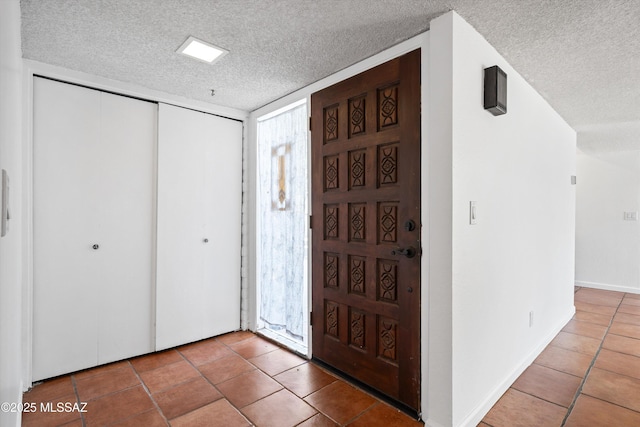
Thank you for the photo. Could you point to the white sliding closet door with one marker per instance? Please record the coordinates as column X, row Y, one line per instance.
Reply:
column 93, row 207
column 199, row 226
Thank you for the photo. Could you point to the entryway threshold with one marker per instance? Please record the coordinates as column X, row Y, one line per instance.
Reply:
column 285, row 341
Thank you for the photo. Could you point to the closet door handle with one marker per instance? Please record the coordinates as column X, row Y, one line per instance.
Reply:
column 96, row 247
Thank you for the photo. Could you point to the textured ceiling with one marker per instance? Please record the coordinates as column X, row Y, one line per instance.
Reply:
column 583, row 56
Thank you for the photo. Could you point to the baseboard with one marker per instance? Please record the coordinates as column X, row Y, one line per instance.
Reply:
column 608, row 287
column 430, row 423
column 474, row 418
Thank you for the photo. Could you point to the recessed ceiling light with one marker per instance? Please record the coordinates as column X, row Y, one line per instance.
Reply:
column 201, row 50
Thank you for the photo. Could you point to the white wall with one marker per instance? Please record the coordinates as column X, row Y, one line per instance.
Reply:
column 607, row 246
column 520, row 255
column 437, row 275
column 11, row 244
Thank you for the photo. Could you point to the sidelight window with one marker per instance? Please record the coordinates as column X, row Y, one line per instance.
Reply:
column 283, row 212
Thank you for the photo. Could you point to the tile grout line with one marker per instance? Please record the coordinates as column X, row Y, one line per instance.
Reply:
column 355, row 417
column 111, row 393
column 210, row 382
column 305, row 420
column 146, row 389
column 258, row 369
column 303, row 399
column 75, row 390
column 270, row 376
column 318, row 411
column 591, row 365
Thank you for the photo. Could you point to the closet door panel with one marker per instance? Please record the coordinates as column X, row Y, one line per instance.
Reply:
column 223, row 174
column 198, row 267
column 127, row 226
column 180, row 229
column 93, row 226
column 64, row 338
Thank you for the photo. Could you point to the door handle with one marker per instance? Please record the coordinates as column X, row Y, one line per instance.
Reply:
column 95, row 247
column 410, row 225
column 409, row 252
column 205, row 240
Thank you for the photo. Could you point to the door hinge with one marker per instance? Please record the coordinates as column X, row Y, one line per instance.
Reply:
column 310, row 221
column 309, row 124
column 311, row 318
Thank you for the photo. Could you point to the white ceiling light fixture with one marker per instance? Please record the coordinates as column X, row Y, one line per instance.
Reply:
column 201, row 50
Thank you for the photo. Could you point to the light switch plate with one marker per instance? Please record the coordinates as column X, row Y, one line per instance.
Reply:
column 473, row 213
column 631, row 216
column 5, row 204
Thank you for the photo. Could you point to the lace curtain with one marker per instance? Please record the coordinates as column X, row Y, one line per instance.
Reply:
column 283, row 221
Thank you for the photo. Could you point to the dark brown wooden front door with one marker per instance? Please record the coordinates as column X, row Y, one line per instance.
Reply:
column 366, row 227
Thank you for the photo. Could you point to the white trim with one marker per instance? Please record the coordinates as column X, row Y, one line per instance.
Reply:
column 245, row 283
column 474, row 418
column 431, row 423
column 309, row 239
column 252, row 225
column 154, row 236
column 128, row 89
column 608, row 287
column 282, row 110
column 255, row 296
column 424, row 223
column 27, row 230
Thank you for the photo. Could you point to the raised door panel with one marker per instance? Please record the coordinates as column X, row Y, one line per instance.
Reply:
column 199, row 191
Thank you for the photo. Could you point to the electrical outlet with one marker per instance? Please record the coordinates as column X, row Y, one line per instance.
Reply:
column 631, row 216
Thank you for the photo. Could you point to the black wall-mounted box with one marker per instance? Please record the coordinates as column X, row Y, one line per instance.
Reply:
column 495, row 90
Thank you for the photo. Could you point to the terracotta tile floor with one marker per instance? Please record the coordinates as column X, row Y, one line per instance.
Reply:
column 238, row 379
column 588, row 376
